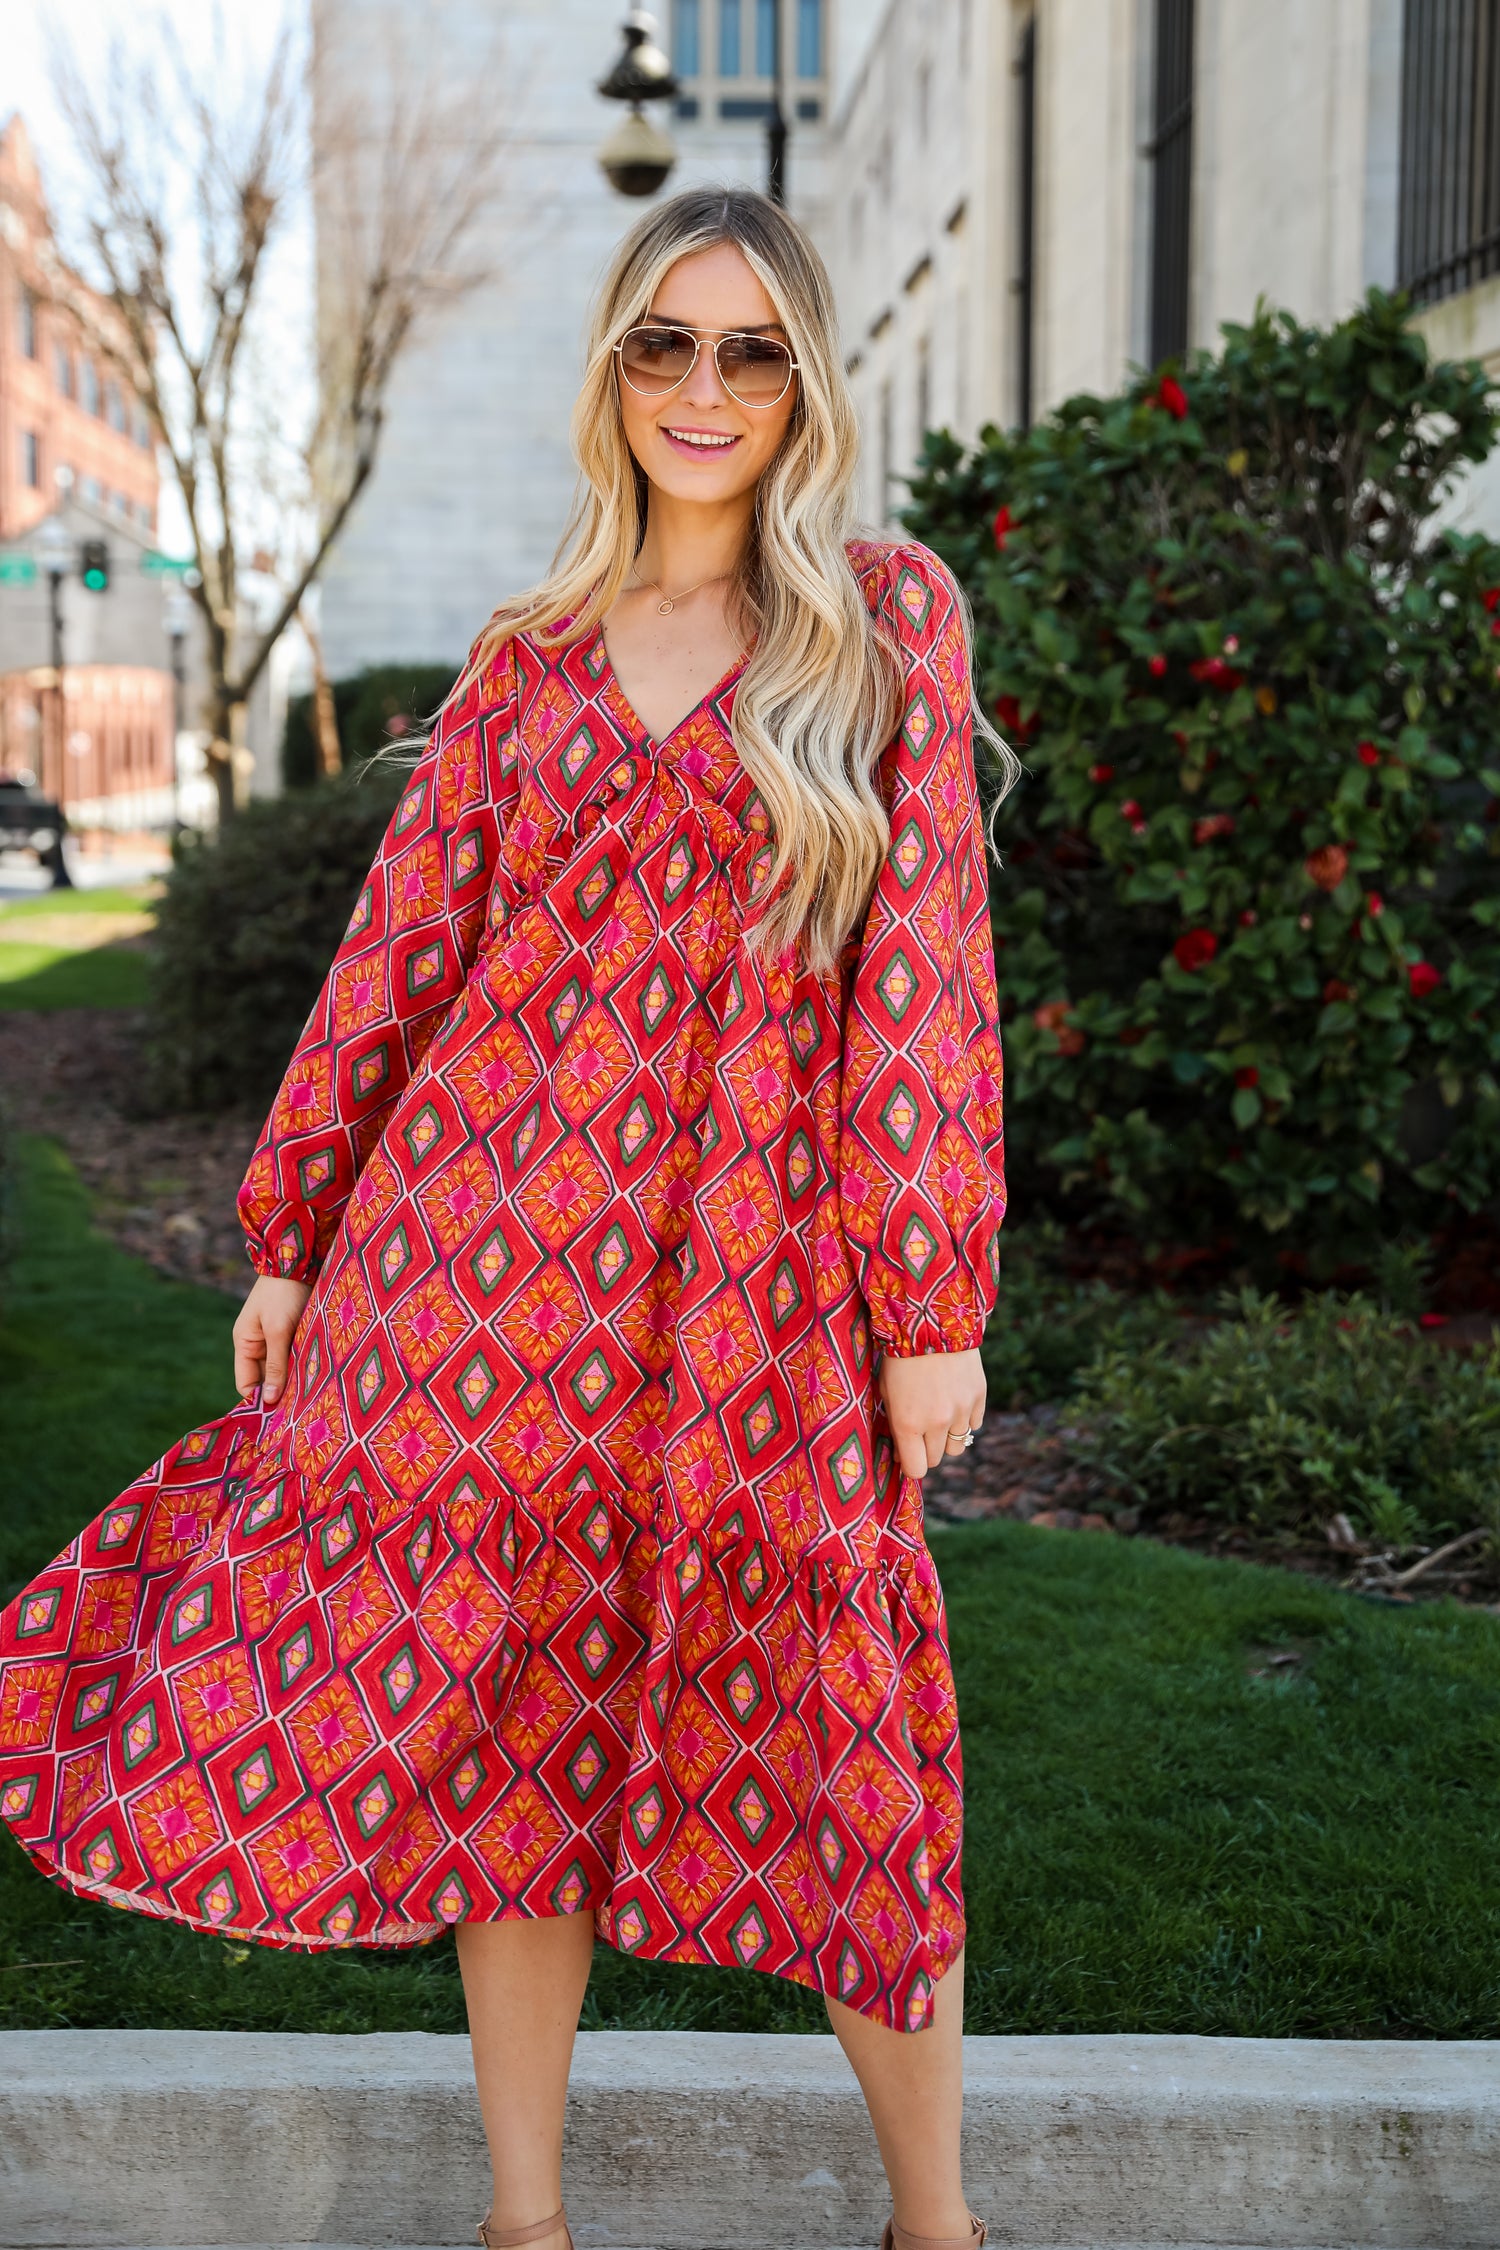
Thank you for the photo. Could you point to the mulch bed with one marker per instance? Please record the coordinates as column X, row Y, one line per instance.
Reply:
column 1024, row 1466
column 163, row 1187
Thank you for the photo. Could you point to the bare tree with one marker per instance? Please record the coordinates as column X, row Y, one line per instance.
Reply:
column 191, row 177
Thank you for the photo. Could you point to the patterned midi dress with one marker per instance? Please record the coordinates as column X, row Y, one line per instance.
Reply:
column 575, row 1570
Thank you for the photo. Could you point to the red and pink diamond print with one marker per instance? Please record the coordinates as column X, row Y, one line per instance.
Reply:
column 575, row 1572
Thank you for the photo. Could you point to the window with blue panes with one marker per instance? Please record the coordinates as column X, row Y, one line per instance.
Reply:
column 765, row 37
column 809, row 38
column 686, row 51
column 729, row 38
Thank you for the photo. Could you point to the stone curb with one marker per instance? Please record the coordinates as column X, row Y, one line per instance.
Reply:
column 702, row 2141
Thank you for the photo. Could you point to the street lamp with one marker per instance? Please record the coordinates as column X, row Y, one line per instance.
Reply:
column 178, row 609
column 54, row 551
column 638, row 156
column 776, row 117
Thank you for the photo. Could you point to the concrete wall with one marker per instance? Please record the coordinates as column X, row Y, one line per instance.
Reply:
column 1090, row 122
column 1294, row 116
column 682, row 2139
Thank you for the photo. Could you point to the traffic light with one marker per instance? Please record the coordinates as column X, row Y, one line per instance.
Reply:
column 93, row 565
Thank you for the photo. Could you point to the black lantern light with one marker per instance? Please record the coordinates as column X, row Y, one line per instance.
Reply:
column 638, row 156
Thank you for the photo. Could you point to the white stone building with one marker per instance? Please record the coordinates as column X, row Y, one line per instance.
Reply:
column 1036, row 194
column 475, row 477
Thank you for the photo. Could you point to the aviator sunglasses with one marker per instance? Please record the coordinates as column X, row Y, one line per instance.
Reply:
column 658, row 355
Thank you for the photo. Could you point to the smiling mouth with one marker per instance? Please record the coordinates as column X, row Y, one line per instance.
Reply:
column 699, row 441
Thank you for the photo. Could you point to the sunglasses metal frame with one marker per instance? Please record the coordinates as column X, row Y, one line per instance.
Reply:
column 754, row 405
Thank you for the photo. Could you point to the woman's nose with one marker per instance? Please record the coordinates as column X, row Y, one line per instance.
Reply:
column 705, row 385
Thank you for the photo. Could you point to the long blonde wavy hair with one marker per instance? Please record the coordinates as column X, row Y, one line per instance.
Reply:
column 820, row 696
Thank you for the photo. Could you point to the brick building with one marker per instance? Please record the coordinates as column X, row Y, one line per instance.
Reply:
column 62, row 407
column 76, row 448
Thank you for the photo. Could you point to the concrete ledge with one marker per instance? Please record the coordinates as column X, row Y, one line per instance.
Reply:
column 692, row 2141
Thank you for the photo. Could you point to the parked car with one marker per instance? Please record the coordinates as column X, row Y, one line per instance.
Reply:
column 32, row 822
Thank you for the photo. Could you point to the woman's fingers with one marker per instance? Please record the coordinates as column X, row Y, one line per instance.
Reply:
column 279, row 1333
column 263, row 1336
column 927, row 1399
column 249, row 1351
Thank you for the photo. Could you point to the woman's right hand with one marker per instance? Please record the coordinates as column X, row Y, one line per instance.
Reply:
column 263, row 1335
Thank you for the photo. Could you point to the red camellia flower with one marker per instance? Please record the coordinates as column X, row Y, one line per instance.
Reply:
column 1008, row 712
column 1248, row 918
column 1423, row 979
column 1171, row 395
column 1002, row 526
column 1247, row 1075
column 1327, row 866
column 1101, row 773
column 1491, row 597
column 1130, row 810
column 1374, row 904
column 1157, row 666
column 1212, row 671
column 1368, row 754
column 1195, row 949
column 1336, row 989
column 1053, row 1016
column 1211, row 825
column 1432, row 1320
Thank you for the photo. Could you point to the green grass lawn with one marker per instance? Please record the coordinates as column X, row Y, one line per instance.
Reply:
column 1157, row 1839
column 53, row 976
column 45, row 977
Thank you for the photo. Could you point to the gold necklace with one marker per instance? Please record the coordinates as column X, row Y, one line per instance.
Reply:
column 668, row 602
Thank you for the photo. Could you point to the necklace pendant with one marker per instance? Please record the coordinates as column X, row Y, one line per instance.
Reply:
column 665, row 608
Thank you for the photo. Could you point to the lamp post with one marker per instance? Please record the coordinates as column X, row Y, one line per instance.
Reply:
column 638, row 155
column 54, row 551
column 776, row 117
column 179, row 615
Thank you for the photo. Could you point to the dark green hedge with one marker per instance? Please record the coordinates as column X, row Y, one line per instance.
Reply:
column 246, row 929
column 366, row 706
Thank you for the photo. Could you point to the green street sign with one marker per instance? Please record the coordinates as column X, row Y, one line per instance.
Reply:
column 165, row 566
column 16, row 570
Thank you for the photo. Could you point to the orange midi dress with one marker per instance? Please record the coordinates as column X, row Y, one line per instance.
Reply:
column 574, row 1571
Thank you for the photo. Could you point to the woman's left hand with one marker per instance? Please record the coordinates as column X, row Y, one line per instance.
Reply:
column 928, row 1399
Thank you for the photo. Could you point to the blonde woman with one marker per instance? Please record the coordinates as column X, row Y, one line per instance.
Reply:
column 626, row 1229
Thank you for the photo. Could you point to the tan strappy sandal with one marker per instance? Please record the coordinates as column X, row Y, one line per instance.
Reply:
column 897, row 2238
column 513, row 2237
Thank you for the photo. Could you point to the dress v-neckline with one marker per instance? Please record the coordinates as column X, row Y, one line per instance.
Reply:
column 648, row 741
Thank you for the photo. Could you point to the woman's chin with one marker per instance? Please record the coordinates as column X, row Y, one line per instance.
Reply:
column 709, row 482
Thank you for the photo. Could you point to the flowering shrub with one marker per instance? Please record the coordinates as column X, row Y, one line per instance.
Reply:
column 1247, row 930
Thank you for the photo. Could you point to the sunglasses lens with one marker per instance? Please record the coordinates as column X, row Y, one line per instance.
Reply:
column 755, row 369
column 656, row 359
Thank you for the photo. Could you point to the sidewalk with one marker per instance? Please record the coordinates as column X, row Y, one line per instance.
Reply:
column 697, row 2141
column 133, row 860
